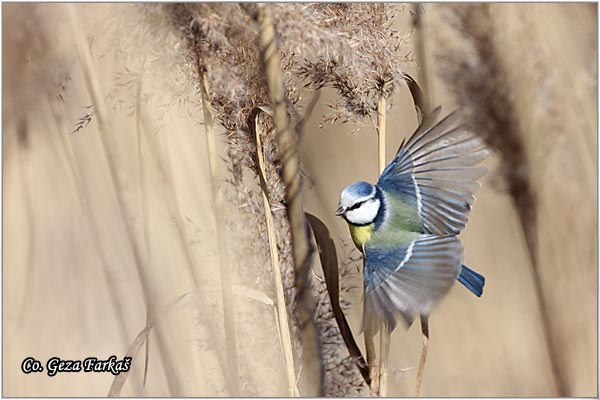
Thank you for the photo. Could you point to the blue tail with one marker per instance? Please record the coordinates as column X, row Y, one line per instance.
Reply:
column 472, row 280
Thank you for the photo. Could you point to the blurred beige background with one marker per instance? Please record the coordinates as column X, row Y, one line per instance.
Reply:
column 66, row 259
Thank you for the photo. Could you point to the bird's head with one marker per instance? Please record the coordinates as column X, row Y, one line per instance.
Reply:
column 359, row 203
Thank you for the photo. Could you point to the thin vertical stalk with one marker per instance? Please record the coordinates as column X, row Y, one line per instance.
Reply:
column 290, row 173
column 133, row 351
column 226, row 288
column 425, row 333
column 528, row 221
column 284, row 328
column 26, row 178
column 381, row 106
column 144, row 199
column 384, row 354
column 85, row 204
column 109, row 149
column 90, row 227
column 421, row 55
column 372, row 360
column 384, row 334
column 163, row 165
column 372, row 363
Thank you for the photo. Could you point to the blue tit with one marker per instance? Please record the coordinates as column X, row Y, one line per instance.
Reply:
column 407, row 224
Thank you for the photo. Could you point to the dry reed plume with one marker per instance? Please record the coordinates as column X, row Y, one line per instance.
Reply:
column 312, row 57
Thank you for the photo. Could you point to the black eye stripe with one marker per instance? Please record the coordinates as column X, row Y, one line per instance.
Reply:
column 355, row 206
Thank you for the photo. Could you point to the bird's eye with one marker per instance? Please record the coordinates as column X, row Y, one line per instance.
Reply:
column 355, row 206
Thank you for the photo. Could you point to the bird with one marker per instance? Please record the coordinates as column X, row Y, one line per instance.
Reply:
column 406, row 225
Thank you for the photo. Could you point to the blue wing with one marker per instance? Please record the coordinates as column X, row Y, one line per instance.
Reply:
column 435, row 170
column 408, row 280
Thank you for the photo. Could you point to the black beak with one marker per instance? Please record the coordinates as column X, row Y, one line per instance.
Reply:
column 339, row 211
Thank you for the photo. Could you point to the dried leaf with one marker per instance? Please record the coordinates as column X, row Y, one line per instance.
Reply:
column 329, row 262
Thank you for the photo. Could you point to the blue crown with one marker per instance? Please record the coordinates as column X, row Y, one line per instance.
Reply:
column 359, row 189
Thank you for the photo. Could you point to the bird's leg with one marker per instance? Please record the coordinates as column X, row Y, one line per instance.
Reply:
column 372, row 361
column 384, row 354
column 425, row 331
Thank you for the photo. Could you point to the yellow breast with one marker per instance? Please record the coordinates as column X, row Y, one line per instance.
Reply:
column 361, row 235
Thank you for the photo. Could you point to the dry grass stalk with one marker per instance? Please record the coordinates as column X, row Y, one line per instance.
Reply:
column 421, row 55
column 425, row 332
column 163, row 165
column 282, row 318
column 154, row 151
column 226, row 286
column 133, row 351
column 109, row 147
column 144, row 200
column 290, row 174
column 85, row 203
column 424, row 96
column 372, row 361
column 384, row 355
column 33, row 69
column 384, row 334
column 237, row 87
column 24, row 163
column 381, row 109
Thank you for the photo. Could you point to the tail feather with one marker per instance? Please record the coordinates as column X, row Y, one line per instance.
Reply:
column 472, row 280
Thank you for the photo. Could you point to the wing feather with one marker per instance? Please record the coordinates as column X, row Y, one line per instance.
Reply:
column 437, row 170
column 403, row 282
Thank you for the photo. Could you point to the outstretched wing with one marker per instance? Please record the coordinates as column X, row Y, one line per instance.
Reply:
column 436, row 171
column 408, row 280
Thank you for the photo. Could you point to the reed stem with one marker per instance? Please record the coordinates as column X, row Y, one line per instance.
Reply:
column 425, row 333
column 282, row 317
column 421, row 55
column 109, row 149
column 381, row 106
column 226, row 286
column 384, row 353
column 384, row 334
column 372, row 363
column 290, row 173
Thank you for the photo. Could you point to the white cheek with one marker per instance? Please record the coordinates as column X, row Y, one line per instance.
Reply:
column 364, row 214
